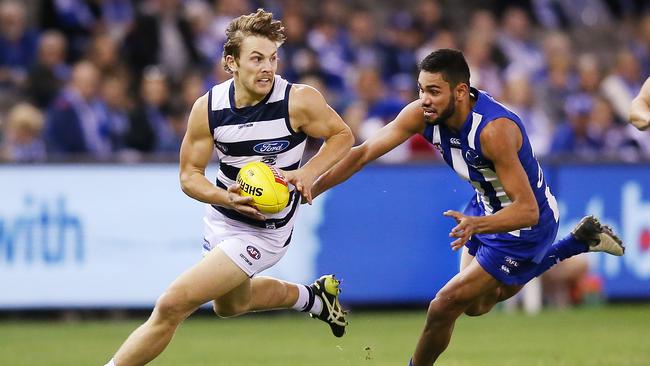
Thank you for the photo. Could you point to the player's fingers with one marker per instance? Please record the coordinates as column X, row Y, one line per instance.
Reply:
column 234, row 188
column 454, row 214
column 458, row 229
column 457, row 244
column 244, row 200
column 251, row 212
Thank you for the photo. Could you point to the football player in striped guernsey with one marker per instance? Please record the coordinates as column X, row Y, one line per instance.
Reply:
column 254, row 116
column 508, row 229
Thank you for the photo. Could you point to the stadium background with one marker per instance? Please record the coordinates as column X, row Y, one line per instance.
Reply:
column 93, row 225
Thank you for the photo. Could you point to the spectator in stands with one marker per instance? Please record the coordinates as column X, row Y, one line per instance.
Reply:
column 294, row 50
column 75, row 122
column 162, row 38
column 428, row 17
column 519, row 97
column 402, row 44
column 366, row 48
column 372, row 109
column 191, row 89
column 50, row 72
column 76, row 19
column 23, row 135
column 556, row 80
column 623, row 83
column 575, row 137
column 150, row 129
column 483, row 22
column 612, row 138
column 17, row 51
column 199, row 16
column 445, row 38
column 103, row 52
column 331, row 45
column 486, row 75
column 116, row 105
column 517, row 42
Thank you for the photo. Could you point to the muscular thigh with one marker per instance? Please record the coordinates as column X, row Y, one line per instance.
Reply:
column 238, row 296
column 213, row 277
column 469, row 284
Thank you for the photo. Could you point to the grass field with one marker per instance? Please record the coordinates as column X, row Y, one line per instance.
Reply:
column 608, row 336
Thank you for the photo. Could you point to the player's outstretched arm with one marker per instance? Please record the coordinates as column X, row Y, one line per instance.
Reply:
column 310, row 113
column 501, row 140
column 196, row 152
column 409, row 122
column 640, row 108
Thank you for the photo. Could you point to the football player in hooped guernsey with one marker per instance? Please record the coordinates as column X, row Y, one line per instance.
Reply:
column 508, row 228
column 255, row 116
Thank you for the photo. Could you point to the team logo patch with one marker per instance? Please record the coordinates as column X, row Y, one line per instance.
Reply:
column 271, row 147
column 253, row 252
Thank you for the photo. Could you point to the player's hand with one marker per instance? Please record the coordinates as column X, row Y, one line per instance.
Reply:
column 243, row 204
column 463, row 231
column 302, row 180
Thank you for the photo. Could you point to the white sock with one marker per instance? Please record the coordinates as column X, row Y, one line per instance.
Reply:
column 304, row 293
column 110, row 363
column 303, row 298
column 317, row 307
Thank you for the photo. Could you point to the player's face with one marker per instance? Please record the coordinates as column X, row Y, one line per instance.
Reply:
column 436, row 97
column 257, row 64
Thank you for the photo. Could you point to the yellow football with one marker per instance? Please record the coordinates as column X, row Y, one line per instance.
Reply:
column 266, row 185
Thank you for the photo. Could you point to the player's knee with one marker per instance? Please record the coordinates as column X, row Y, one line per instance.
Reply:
column 173, row 306
column 445, row 306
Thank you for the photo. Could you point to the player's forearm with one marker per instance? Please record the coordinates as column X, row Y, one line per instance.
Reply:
column 334, row 148
column 514, row 217
column 640, row 114
column 344, row 169
column 197, row 186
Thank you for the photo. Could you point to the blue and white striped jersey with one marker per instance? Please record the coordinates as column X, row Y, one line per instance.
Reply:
column 261, row 132
column 462, row 152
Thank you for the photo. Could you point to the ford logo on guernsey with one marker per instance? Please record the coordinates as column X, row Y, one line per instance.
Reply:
column 253, row 252
column 271, row 147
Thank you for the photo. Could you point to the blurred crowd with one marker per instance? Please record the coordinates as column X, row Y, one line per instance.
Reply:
column 115, row 79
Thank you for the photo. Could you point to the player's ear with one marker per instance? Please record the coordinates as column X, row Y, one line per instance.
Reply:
column 231, row 63
column 461, row 90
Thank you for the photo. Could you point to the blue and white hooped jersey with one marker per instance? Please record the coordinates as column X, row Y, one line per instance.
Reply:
column 261, row 132
column 462, row 152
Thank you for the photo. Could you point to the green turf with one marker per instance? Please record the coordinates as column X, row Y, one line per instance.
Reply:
column 615, row 335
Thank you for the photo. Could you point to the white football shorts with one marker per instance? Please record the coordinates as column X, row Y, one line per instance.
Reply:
column 252, row 249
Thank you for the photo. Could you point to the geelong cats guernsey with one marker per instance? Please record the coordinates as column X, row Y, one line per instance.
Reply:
column 261, row 132
column 462, row 152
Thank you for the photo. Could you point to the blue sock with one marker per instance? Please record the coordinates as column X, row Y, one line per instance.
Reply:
column 411, row 362
column 563, row 249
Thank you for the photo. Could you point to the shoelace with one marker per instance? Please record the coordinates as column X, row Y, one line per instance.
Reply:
column 335, row 313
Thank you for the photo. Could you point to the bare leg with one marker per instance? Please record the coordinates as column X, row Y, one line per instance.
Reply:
column 259, row 294
column 451, row 301
column 211, row 278
column 486, row 302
